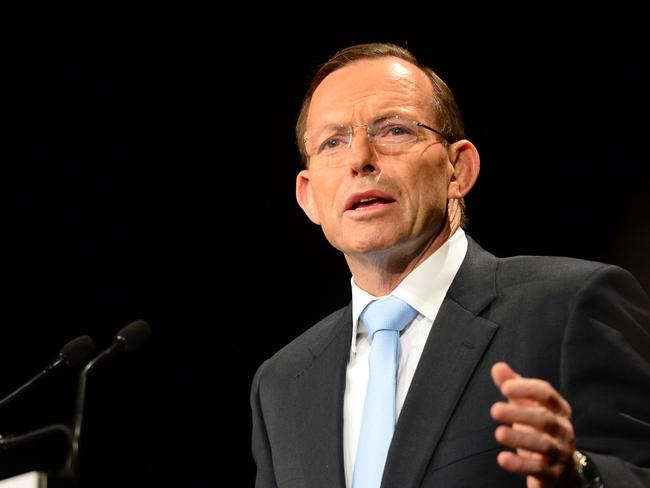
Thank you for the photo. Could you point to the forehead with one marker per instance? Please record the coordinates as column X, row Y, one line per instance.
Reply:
column 366, row 87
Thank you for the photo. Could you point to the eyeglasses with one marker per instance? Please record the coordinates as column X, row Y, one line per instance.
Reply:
column 392, row 135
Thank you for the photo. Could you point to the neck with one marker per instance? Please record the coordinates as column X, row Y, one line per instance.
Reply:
column 380, row 272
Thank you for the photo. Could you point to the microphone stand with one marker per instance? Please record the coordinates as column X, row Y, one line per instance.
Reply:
column 71, row 468
column 128, row 338
column 16, row 440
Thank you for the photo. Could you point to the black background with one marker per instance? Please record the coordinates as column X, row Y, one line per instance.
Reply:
column 149, row 174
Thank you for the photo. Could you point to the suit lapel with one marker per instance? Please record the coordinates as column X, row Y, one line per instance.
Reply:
column 319, row 402
column 457, row 341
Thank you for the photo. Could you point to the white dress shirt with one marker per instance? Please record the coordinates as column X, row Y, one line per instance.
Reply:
column 423, row 289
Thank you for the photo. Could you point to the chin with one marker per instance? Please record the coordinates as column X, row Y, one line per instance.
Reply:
column 371, row 245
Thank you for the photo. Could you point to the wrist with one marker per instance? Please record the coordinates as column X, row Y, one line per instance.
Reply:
column 587, row 471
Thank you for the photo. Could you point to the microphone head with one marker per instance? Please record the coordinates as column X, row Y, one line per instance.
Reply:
column 77, row 350
column 133, row 335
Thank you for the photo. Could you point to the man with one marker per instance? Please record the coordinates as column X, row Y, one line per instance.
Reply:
column 549, row 357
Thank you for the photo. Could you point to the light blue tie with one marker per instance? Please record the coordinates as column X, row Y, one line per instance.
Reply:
column 385, row 319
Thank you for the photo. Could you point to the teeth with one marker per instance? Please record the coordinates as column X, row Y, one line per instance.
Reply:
column 366, row 200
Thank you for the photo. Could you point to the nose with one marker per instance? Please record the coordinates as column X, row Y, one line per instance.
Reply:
column 362, row 157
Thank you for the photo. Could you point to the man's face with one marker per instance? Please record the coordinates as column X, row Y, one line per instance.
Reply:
column 370, row 199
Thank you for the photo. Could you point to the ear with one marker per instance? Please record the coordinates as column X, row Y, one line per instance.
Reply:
column 305, row 196
column 465, row 159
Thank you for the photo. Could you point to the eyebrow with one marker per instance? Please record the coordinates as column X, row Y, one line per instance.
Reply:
column 386, row 114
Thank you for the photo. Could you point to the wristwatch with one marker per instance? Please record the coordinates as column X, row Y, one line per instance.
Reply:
column 587, row 471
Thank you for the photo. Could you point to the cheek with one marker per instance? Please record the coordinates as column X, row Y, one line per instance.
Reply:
column 325, row 196
column 432, row 188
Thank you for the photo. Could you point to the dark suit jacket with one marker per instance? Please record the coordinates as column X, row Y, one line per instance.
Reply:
column 582, row 326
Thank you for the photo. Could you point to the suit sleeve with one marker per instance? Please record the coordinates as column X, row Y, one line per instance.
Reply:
column 261, row 449
column 606, row 375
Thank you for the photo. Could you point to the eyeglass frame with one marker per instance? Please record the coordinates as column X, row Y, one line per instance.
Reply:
column 370, row 136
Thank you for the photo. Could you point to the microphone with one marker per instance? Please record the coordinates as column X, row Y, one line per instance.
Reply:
column 127, row 339
column 73, row 353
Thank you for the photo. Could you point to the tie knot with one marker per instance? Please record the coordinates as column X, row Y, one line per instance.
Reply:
column 388, row 313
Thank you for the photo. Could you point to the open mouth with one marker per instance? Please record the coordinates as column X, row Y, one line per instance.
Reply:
column 367, row 200
column 370, row 202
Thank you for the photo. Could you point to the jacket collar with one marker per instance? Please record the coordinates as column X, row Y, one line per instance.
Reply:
column 319, row 405
column 457, row 342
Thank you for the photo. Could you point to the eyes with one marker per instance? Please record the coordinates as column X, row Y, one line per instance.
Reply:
column 390, row 135
column 386, row 132
column 333, row 142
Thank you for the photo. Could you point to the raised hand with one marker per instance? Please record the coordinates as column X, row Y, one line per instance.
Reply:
column 537, row 425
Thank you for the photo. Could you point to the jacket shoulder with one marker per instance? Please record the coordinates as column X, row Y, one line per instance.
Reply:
column 531, row 276
column 298, row 354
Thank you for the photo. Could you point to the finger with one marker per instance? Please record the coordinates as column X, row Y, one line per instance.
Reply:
column 551, row 450
column 535, row 416
column 540, row 391
column 502, row 372
column 526, row 465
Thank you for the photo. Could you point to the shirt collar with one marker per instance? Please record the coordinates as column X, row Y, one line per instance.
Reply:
column 424, row 288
